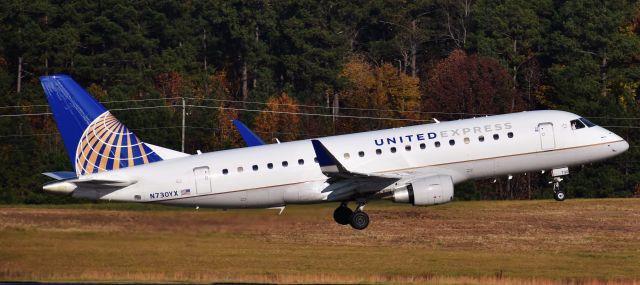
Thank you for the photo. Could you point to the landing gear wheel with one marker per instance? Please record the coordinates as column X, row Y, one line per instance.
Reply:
column 359, row 220
column 559, row 196
column 342, row 215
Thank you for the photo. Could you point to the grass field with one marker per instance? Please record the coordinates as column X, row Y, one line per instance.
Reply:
column 501, row 242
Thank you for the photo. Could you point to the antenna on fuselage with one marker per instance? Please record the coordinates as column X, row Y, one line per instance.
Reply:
column 436, row 120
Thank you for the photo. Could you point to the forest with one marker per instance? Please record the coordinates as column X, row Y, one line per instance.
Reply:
column 298, row 69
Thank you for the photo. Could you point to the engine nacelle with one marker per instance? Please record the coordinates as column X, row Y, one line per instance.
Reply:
column 431, row 190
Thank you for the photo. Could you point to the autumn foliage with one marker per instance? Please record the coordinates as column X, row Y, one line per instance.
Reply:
column 473, row 84
column 279, row 119
column 170, row 84
column 377, row 92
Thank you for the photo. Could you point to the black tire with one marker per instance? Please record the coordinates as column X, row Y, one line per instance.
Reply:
column 559, row 196
column 342, row 215
column 359, row 220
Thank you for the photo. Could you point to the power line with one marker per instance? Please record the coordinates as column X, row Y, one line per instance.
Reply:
column 23, row 106
column 239, row 109
column 140, row 100
column 56, row 134
column 622, row 127
column 277, row 112
column 24, row 115
column 309, row 114
column 341, row 108
column 277, row 104
column 299, row 105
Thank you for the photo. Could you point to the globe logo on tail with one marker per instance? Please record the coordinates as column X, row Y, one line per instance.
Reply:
column 107, row 144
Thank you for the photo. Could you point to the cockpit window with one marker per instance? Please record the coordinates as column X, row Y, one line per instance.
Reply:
column 577, row 124
column 587, row 122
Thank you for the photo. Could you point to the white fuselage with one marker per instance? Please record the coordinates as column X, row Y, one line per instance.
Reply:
column 286, row 173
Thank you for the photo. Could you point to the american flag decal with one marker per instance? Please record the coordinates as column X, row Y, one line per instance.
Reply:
column 185, row 192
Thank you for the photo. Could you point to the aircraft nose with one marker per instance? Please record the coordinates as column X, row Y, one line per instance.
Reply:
column 619, row 146
column 624, row 146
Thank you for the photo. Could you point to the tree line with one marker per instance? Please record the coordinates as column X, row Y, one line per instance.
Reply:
column 301, row 69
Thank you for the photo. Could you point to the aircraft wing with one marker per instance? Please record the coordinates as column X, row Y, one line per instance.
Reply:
column 331, row 167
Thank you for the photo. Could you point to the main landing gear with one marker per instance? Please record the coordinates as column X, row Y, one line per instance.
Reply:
column 358, row 219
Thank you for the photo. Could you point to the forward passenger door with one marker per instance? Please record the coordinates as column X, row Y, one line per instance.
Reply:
column 547, row 138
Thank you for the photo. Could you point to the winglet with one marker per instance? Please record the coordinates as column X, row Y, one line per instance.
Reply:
column 249, row 137
column 328, row 163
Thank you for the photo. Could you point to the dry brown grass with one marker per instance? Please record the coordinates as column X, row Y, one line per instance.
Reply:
column 516, row 242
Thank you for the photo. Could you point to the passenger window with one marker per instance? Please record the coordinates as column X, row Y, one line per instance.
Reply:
column 393, row 149
column 452, row 142
column 255, row 167
column 346, row 155
column 577, row 124
column 225, row 171
column 285, row 163
column 496, row 136
column 407, row 148
column 423, row 146
column 467, row 141
column 240, row 169
column 510, row 135
column 481, row 138
column 378, row 151
column 361, row 153
column 437, row 144
column 270, row 165
column 301, row 161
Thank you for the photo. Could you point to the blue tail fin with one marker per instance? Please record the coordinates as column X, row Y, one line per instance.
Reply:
column 249, row 137
column 95, row 140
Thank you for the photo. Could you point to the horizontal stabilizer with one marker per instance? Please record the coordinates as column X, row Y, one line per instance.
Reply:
column 68, row 186
column 103, row 182
column 166, row 153
column 249, row 137
column 61, row 175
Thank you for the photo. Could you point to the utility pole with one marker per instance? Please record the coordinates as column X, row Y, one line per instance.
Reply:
column 19, row 87
column 183, row 119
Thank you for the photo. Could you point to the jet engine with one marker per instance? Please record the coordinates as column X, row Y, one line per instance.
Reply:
column 432, row 190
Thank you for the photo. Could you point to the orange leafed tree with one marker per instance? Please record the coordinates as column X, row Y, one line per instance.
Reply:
column 279, row 119
column 226, row 135
column 381, row 92
column 170, row 84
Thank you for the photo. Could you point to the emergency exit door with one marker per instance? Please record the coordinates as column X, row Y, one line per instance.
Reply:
column 547, row 139
column 203, row 179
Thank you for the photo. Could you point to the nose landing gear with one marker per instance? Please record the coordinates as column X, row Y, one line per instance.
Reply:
column 358, row 219
column 558, row 194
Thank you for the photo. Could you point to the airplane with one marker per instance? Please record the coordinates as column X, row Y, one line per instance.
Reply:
column 418, row 165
